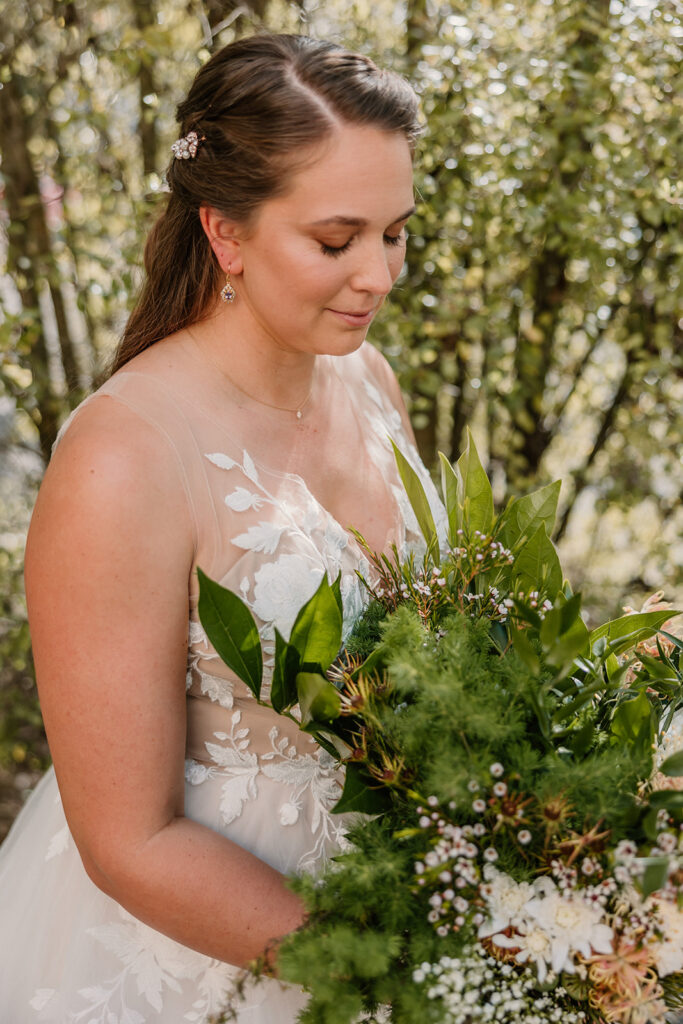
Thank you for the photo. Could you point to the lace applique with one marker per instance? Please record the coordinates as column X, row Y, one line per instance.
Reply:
column 152, row 964
column 216, row 688
column 59, row 843
column 311, row 783
column 234, row 765
column 282, row 587
column 315, row 785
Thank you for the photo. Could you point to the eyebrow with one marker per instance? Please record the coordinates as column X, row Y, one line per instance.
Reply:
column 357, row 222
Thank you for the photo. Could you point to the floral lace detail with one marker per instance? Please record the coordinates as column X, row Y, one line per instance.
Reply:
column 250, row 774
column 215, row 688
column 152, row 965
column 233, row 764
column 313, row 779
column 310, row 784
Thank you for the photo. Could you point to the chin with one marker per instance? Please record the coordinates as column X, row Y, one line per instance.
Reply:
column 344, row 345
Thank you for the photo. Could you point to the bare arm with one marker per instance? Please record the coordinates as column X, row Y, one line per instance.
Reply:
column 107, row 563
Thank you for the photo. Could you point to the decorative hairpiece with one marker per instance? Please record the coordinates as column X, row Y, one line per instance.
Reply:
column 186, row 149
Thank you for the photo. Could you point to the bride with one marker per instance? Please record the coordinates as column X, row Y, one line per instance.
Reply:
column 244, row 429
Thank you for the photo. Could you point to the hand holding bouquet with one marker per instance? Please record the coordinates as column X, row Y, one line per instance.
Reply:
column 520, row 854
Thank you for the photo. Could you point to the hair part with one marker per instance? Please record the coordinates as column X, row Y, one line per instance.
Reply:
column 258, row 106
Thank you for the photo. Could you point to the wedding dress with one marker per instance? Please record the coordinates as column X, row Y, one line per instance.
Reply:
column 69, row 954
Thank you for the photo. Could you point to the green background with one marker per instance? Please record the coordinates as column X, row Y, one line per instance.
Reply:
column 541, row 302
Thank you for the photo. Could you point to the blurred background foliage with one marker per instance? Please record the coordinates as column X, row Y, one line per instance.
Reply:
column 541, row 301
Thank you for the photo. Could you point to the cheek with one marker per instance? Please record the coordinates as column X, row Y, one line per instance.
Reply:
column 320, row 275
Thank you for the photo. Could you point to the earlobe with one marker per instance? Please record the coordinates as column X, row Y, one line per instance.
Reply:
column 222, row 234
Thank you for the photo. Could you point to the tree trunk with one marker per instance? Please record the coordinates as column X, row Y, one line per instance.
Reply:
column 29, row 259
column 145, row 17
column 534, row 355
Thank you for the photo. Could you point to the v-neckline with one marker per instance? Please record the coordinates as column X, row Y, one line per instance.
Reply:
column 397, row 531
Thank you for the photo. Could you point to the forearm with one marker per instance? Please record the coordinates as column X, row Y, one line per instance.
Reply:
column 203, row 890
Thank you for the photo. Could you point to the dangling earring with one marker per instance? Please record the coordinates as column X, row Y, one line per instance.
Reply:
column 228, row 292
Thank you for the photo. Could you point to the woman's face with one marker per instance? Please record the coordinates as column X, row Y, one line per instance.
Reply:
column 318, row 261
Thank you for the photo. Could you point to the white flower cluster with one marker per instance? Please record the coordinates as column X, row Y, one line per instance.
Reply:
column 549, row 926
column 476, row 988
column 668, row 954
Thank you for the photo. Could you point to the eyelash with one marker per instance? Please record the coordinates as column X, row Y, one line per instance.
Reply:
column 332, row 250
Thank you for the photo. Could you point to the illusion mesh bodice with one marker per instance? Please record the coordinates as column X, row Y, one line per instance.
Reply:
column 261, row 529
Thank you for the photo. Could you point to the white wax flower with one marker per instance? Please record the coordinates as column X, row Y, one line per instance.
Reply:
column 572, row 925
column 668, row 954
column 505, row 900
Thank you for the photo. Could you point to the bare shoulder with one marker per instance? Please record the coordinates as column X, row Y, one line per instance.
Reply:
column 112, row 475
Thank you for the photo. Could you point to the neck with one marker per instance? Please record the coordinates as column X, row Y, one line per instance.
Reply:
column 254, row 363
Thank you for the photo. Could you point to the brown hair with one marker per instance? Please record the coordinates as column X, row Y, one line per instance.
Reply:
column 256, row 105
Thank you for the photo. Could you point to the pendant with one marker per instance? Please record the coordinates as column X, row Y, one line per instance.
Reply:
column 298, row 414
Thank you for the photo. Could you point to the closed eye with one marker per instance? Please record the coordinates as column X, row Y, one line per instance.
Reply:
column 337, row 250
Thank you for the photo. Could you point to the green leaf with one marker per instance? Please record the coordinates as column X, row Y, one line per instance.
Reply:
column 650, row 824
column 336, row 590
column 629, row 630
column 612, row 666
column 373, row 663
column 361, row 793
column 671, row 799
column 571, row 614
column 581, row 740
column 420, row 504
column 283, row 692
column 231, row 629
column 654, row 875
column 523, row 516
column 526, row 652
column 537, row 566
column 319, row 700
column 633, row 722
column 475, row 496
column 550, row 627
column 449, row 486
column 572, row 633
column 673, row 766
column 317, row 630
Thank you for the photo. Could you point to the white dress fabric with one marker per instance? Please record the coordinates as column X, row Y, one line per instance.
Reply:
column 69, row 954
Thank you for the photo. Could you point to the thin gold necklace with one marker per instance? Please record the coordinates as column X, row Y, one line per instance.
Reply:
column 298, row 411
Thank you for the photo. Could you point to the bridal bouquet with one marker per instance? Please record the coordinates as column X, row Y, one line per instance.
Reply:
column 519, row 855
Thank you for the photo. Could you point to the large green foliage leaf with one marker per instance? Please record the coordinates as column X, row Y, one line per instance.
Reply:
column 523, row 516
column 358, row 793
column 419, row 502
column 319, row 700
column 634, row 723
column 537, row 566
column 283, row 692
column 231, row 628
column 474, row 493
column 673, row 765
column 449, row 487
column 317, row 630
column 628, row 630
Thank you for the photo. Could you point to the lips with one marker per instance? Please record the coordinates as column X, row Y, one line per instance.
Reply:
column 360, row 319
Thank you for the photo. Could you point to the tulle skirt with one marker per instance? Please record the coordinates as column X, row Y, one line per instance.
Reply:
column 71, row 955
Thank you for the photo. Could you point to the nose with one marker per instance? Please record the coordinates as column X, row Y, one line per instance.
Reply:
column 373, row 273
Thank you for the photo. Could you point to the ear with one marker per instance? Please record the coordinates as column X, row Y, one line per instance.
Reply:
column 224, row 238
